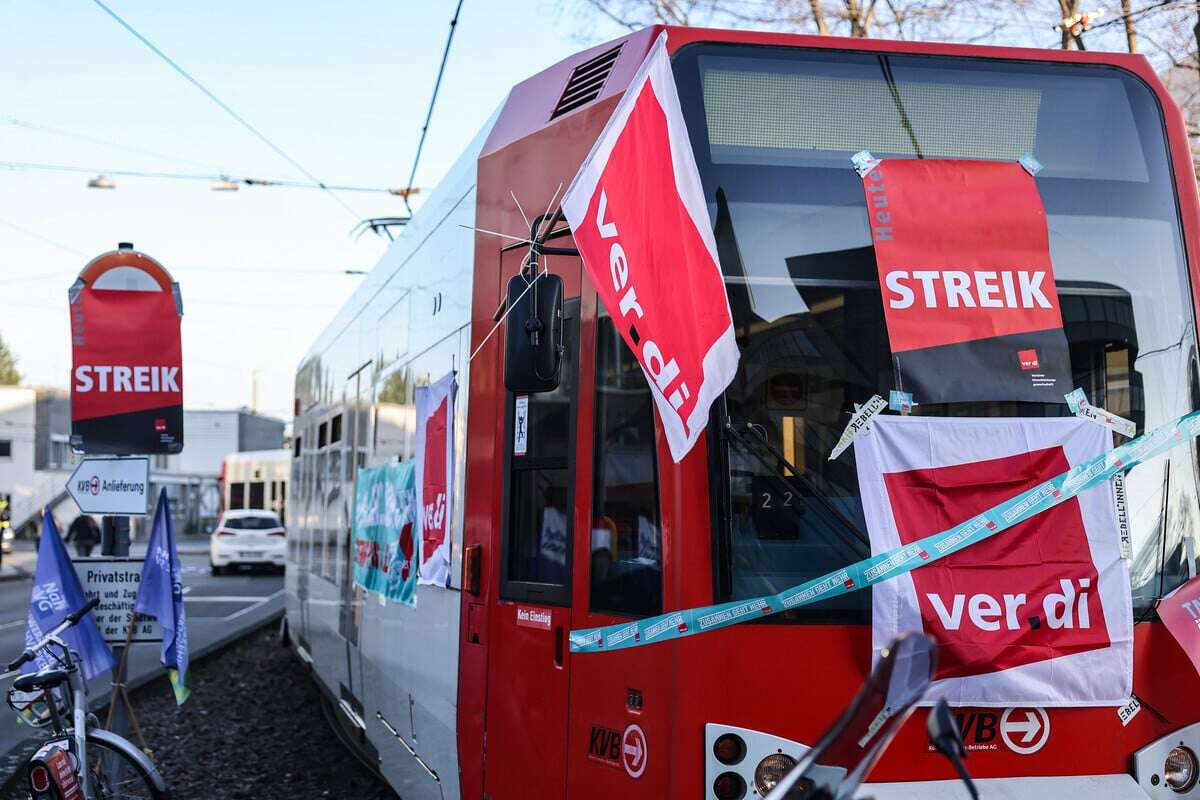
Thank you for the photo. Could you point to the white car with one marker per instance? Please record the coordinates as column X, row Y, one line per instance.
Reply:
column 252, row 538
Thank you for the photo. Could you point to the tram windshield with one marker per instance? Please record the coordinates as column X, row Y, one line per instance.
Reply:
column 773, row 130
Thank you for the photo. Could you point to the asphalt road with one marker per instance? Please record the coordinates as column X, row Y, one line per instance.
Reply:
column 219, row 609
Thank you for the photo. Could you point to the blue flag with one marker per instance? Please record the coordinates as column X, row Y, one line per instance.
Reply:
column 56, row 593
column 160, row 595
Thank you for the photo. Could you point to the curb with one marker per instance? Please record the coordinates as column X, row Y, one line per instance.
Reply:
column 17, row 574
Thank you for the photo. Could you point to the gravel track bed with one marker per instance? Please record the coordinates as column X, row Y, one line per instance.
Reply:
column 252, row 730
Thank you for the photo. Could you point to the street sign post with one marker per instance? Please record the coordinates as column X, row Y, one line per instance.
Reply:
column 111, row 485
column 115, row 581
column 126, row 400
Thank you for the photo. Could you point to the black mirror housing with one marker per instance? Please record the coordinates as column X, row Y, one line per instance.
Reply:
column 534, row 334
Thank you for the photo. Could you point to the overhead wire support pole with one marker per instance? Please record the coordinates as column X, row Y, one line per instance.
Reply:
column 224, row 107
column 437, row 84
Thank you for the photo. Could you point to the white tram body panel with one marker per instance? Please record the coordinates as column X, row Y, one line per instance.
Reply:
column 389, row 669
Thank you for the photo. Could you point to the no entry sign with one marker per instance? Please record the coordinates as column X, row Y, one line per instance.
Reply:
column 127, row 360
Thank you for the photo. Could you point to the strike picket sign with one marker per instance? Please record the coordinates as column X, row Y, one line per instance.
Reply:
column 873, row 570
column 127, row 357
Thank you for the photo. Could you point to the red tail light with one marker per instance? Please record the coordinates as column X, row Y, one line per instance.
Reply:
column 223, row 532
column 39, row 778
column 280, row 534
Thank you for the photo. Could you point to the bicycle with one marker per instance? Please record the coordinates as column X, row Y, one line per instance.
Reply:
column 79, row 760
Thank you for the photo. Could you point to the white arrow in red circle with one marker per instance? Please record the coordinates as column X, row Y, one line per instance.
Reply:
column 634, row 751
column 1033, row 725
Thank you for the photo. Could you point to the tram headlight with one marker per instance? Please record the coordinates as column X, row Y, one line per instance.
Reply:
column 1180, row 769
column 771, row 770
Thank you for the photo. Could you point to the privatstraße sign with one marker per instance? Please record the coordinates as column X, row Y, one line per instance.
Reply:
column 115, row 581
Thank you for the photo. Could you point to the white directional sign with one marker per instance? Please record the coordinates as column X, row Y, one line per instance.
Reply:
column 115, row 581
column 111, row 485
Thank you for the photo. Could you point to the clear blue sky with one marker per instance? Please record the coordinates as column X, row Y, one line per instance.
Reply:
column 342, row 87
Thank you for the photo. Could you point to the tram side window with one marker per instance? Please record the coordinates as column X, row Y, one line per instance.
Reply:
column 626, row 538
column 538, row 540
column 237, row 495
column 256, row 495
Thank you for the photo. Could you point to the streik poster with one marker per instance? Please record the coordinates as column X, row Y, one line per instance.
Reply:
column 964, row 266
column 385, row 546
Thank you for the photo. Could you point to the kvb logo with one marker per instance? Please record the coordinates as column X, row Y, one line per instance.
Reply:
column 979, row 729
column 1025, row 730
column 604, row 745
column 1033, row 592
column 614, row 748
column 634, row 751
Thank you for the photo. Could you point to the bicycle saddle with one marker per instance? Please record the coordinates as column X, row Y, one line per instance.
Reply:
column 46, row 679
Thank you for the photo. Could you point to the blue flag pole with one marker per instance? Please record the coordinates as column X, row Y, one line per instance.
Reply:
column 160, row 595
column 56, row 593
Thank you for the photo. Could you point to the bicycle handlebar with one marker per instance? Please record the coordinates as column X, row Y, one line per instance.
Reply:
column 70, row 620
column 74, row 617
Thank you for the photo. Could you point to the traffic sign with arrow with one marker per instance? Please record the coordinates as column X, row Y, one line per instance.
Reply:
column 111, row 485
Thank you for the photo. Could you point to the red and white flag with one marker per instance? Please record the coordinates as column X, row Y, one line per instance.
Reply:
column 1180, row 613
column 640, row 222
column 435, row 477
column 1038, row 615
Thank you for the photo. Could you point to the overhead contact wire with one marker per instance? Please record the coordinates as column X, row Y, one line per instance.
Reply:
column 226, row 108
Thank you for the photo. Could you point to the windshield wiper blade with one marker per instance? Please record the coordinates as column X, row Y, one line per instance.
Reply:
column 843, row 525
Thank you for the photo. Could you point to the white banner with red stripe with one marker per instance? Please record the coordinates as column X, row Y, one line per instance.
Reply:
column 435, row 477
column 1040, row 616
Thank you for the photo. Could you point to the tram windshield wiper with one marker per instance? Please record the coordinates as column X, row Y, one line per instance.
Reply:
column 791, row 478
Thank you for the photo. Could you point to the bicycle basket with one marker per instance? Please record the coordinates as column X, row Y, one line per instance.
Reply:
column 32, row 708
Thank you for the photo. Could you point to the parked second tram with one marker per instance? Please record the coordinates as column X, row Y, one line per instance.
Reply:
column 256, row 479
column 474, row 693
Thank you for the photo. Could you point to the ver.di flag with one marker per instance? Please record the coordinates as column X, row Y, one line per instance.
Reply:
column 435, row 477
column 385, row 545
column 638, row 215
column 1180, row 613
column 1040, row 616
column 963, row 255
column 56, row 593
column 160, row 595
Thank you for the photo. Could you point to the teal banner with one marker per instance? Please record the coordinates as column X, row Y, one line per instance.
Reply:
column 869, row 571
column 385, row 556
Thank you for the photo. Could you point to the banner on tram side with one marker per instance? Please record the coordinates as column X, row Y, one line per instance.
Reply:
column 385, row 545
column 435, row 477
column 127, row 357
column 963, row 256
column 1040, row 616
column 637, row 211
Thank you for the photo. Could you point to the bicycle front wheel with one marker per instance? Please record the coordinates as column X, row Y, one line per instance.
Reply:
column 119, row 771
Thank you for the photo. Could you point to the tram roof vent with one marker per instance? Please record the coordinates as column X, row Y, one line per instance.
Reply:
column 586, row 81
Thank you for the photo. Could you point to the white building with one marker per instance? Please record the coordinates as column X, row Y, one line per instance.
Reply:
column 36, row 460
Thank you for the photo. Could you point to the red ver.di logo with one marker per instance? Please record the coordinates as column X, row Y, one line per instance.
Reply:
column 1028, row 596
